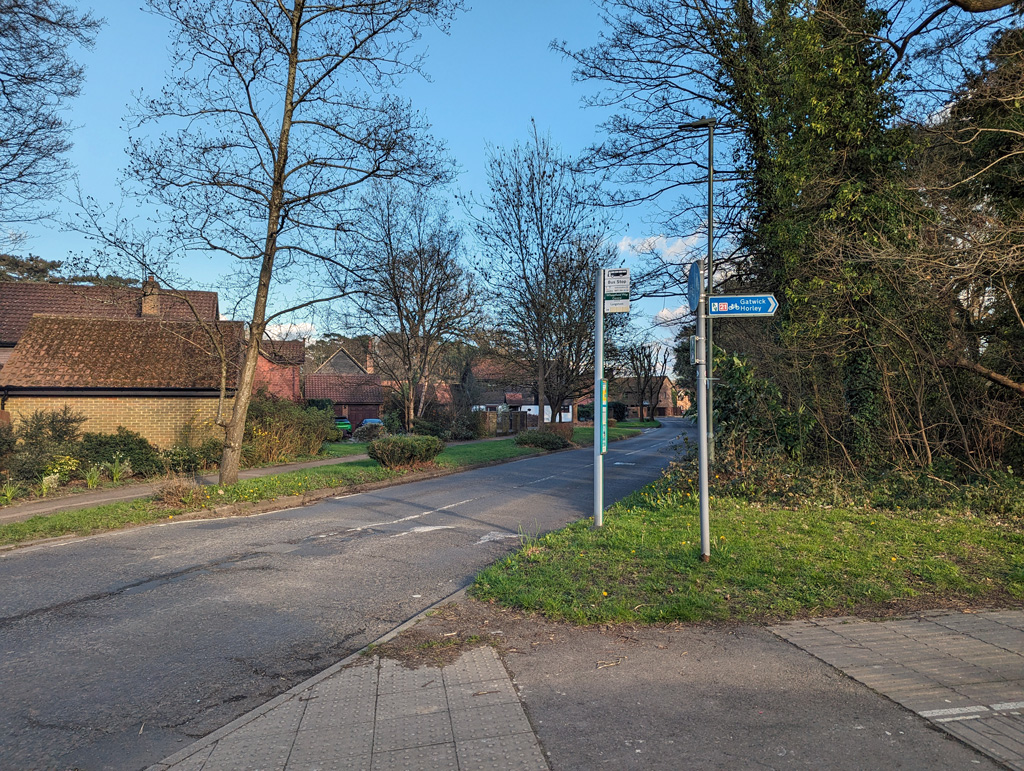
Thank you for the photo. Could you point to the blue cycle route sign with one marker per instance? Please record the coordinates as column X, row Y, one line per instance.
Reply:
column 743, row 305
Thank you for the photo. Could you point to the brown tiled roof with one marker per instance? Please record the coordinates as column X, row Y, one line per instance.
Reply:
column 344, row 389
column 60, row 352
column 20, row 300
column 288, row 353
column 495, row 370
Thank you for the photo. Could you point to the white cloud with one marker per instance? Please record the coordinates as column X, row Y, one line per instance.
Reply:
column 670, row 250
column 289, row 331
column 672, row 315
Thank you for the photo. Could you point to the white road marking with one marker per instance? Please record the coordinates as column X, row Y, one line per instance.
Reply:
column 424, row 529
column 952, row 711
column 495, row 535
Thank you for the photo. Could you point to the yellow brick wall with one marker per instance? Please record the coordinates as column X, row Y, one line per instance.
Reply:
column 158, row 419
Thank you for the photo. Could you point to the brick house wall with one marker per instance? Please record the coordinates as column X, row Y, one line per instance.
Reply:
column 158, row 418
column 280, row 380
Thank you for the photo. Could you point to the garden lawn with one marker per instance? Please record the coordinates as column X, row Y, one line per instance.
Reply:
column 584, row 435
column 459, row 455
column 637, row 424
column 767, row 562
column 342, row 449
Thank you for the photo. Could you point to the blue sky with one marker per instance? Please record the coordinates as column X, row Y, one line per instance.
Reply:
column 489, row 77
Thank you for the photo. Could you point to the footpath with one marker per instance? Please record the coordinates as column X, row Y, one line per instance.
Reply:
column 936, row 690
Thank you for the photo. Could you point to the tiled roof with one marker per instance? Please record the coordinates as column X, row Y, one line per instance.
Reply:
column 20, row 300
column 344, row 389
column 287, row 353
column 341, row 362
column 60, row 352
column 494, row 370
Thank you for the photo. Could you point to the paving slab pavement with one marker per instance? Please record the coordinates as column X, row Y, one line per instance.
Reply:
column 378, row 715
column 964, row 672
column 933, row 691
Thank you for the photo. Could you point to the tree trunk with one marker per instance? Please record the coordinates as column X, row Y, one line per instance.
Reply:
column 234, row 431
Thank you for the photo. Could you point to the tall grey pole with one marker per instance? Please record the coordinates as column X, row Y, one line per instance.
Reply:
column 702, row 434
column 711, row 275
column 598, row 375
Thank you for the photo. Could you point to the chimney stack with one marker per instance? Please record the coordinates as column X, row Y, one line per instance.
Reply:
column 150, row 298
column 369, row 357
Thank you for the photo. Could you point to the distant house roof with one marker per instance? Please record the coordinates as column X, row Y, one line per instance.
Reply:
column 344, row 389
column 287, row 353
column 61, row 352
column 499, row 371
column 341, row 362
column 20, row 300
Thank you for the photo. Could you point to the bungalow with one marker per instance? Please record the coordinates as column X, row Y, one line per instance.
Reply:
column 138, row 357
column 153, row 377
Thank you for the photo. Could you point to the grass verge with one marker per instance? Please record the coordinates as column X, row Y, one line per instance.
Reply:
column 584, row 435
column 342, row 449
column 147, row 510
column 459, row 455
column 768, row 562
column 638, row 424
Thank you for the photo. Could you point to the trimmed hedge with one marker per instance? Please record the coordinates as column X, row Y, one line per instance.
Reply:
column 563, row 430
column 397, row 451
column 545, row 440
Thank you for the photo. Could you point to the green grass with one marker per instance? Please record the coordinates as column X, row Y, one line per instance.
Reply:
column 767, row 562
column 117, row 515
column 637, row 424
column 584, row 435
column 460, row 455
column 342, row 449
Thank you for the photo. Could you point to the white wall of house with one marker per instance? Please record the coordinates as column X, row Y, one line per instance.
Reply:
column 534, row 410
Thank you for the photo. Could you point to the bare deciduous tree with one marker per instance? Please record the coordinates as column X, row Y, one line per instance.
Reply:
column 275, row 113
column 414, row 296
column 544, row 242
column 38, row 77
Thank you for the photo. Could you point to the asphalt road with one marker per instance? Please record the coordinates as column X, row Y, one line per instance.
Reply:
column 119, row 649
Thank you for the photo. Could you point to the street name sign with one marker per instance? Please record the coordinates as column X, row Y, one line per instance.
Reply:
column 616, row 290
column 743, row 305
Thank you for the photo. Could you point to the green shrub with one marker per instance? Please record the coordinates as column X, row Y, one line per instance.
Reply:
column 545, row 440
column 188, row 460
column 279, row 429
column 40, row 437
column 335, row 435
column 29, row 463
column 585, row 412
column 51, row 427
column 369, row 433
column 398, row 451
column 424, row 427
column 99, row 449
column 321, row 404
column 617, row 411
column 8, row 441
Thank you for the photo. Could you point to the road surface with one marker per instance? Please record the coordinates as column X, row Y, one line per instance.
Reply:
column 121, row 648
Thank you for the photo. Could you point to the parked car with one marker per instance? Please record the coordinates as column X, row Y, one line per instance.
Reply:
column 343, row 424
column 372, row 422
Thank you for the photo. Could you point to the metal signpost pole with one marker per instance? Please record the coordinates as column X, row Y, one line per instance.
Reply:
column 598, row 376
column 711, row 275
column 702, row 415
